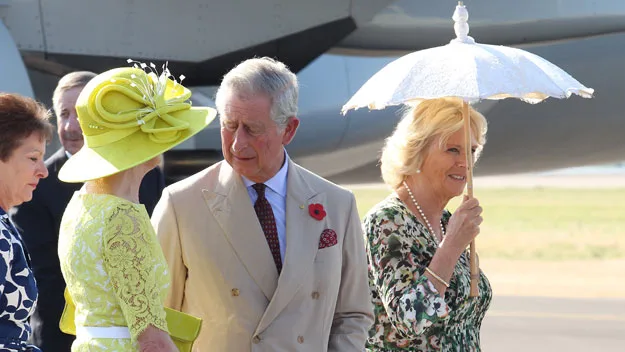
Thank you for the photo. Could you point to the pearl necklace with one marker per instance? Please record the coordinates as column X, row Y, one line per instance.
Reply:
column 427, row 222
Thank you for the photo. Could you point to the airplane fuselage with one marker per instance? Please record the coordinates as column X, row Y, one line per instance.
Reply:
column 335, row 46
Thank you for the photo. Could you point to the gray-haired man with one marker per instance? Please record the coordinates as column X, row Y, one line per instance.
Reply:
column 270, row 255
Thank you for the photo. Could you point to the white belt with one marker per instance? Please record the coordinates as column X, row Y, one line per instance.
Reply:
column 113, row 332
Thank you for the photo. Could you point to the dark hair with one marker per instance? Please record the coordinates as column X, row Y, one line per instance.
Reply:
column 20, row 117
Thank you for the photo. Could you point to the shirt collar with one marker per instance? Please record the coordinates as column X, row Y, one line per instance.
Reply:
column 278, row 182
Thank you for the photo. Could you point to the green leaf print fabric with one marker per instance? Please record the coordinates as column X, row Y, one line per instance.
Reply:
column 410, row 314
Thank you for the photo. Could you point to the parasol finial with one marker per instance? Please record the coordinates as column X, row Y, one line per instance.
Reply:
column 461, row 26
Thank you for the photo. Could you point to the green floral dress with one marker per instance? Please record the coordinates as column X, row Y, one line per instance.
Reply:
column 114, row 269
column 410, row 314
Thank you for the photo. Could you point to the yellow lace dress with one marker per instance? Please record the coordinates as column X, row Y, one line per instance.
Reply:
column 114, row 269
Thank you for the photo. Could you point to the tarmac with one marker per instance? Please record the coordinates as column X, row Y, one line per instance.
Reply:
column 539, row 324
column 571, row 306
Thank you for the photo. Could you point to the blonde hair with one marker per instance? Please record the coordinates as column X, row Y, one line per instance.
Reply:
column 405, row 150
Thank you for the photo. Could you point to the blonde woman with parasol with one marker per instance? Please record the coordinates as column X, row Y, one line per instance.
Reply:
column 471, row 72
column 419, row 270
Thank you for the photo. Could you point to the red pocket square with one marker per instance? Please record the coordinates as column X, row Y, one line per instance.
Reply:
column 328, row 238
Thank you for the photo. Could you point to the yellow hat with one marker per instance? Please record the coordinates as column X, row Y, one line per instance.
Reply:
column 128, row 117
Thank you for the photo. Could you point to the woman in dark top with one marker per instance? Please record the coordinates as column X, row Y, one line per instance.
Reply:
column 24, row 131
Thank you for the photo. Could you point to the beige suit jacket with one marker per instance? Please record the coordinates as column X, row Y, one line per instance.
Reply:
column 222, row 269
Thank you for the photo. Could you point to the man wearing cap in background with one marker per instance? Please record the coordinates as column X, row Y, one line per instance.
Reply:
column 39, row 220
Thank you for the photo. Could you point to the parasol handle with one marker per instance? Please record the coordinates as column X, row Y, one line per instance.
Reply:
column 475, row 271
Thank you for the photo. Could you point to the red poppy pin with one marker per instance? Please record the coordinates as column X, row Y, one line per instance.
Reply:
column 316, row 211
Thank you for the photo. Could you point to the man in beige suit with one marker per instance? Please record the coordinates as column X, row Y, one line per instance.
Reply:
column 268, row 254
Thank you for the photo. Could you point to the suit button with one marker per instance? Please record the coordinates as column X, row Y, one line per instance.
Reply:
column 300, row 339
column 256, row 339
column 315, row 295
column 235, row 292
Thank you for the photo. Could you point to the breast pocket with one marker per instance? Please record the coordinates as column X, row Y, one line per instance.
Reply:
column 328, row 263
column 328, row 254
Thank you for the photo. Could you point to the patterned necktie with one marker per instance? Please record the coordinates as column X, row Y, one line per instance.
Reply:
column 268, row 223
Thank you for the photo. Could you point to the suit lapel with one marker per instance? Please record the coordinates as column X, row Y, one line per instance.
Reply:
column 62, row 192
column 230, row 204
column 302, row 243
column 56, row 160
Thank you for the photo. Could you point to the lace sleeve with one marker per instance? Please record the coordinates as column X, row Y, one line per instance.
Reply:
column 127, row 251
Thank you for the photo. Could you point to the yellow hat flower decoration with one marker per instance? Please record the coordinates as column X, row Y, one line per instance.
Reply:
column 128, row 116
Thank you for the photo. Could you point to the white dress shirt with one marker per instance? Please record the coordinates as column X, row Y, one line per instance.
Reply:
column 275, row 192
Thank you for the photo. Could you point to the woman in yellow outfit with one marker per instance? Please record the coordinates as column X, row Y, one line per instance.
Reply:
column 110, row 258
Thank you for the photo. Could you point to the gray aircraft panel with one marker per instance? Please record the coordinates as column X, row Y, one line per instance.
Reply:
column 192, row 30
column 12, row 71
column 363, row 10
column 413, row 11
column 522, row 137
column 322, row 86
column 561, row 133
column 326, row 85
column 413, row 25
column 23, row 21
